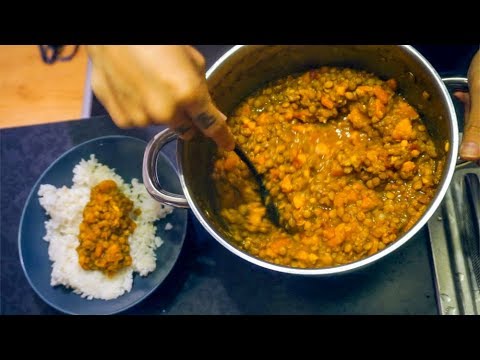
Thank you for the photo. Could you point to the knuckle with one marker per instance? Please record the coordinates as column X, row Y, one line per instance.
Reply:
column 98, row 87
column 161, row 112
column 188, row 93
column 192, row 92
column 140, row 119
column 121, row 122
column 198, row 59
column 474, row 129
column 201, row 63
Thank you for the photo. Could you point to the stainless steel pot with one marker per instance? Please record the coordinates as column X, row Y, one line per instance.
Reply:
column 246, row 68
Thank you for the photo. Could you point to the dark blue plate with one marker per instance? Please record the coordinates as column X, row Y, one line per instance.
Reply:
column 125, row 155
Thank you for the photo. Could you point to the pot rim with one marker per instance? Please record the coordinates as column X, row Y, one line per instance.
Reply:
column 450, row 165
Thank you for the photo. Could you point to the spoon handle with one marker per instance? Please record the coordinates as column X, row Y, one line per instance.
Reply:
column 241, row 154
column 272, row 210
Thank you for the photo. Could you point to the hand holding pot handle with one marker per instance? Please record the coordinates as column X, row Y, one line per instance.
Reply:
column 470, row 148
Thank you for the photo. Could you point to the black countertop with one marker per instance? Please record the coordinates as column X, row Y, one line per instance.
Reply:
column 207, row 278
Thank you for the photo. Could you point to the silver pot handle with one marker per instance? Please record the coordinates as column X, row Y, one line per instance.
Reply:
column 149, row 171
column 457, row 83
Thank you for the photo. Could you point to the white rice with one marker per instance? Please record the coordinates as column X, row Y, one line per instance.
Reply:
column 65, row 207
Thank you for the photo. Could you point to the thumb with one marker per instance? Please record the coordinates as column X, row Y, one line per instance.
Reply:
column 211, row 122
column 470, row 147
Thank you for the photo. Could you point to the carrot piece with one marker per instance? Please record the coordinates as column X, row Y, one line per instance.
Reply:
column 381, row 94
column 231, row 161
column 327, row 102
column 298, row 200
column 408, row 166
column 403, row 130
column 392, row 84
column 286, row 184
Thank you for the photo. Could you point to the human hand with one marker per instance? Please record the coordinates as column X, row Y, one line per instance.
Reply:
column 164, row 84
column 470, row 148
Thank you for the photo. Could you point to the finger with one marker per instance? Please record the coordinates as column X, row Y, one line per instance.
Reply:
column 104, row 93
column 197, row 58
column 133, row 108
column 128, row 100
column 211, row 122
column 464, row 97
column 183, row 126
column 160, row 110
column 470, row 147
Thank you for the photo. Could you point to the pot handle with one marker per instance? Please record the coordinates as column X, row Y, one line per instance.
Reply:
column 457, row 83
column 149, row 171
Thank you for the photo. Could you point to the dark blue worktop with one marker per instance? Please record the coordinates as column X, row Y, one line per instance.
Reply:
column 207, row 278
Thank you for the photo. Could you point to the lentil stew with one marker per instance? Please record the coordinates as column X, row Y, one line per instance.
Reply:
column 105, row 229
column 347, row 160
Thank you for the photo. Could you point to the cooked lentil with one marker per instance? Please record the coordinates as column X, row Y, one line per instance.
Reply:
column 348, row 161
column 105, row 229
